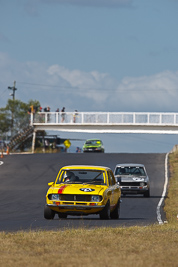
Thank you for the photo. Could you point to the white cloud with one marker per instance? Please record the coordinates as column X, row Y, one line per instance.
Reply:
column 87, row 91
column 156, row 93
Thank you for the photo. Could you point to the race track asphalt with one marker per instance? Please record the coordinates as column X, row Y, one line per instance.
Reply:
column 24, row 183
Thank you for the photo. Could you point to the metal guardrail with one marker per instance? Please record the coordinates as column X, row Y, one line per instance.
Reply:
column 107, row 118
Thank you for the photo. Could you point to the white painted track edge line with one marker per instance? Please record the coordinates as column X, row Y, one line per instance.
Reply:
column 158, row 210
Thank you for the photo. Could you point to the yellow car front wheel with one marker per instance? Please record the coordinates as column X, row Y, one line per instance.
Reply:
column 105, row 213
column 48, row 213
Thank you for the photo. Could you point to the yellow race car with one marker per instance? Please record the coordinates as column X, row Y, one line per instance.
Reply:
column 83, row 190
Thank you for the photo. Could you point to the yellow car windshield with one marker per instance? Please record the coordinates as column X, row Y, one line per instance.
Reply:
column 82, row 176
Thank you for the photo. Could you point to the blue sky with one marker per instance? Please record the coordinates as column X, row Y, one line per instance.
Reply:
column 91, row 55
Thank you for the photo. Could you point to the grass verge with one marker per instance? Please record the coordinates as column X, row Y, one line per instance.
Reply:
column 154, row 245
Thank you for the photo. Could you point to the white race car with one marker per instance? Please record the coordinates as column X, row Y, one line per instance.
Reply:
column 133, row 179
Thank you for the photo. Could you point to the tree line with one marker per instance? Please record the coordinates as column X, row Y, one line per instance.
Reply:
column 15, row 116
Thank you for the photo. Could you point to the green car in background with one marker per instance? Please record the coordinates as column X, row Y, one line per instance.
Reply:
column 93, row 145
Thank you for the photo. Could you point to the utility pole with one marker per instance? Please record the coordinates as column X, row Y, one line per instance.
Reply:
column 13, row 88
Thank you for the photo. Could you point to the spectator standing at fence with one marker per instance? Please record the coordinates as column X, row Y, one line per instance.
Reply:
column 47, row 109
column 63, row 114
column 41, row 116
column 75, row 116
column 31, row 110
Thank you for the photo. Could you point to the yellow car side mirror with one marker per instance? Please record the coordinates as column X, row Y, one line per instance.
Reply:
column 51, row 183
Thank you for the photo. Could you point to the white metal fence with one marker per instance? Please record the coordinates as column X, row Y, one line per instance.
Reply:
column 107, row 118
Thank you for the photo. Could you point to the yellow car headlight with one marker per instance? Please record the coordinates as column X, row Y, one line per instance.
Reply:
column 54, row 197
column 96, row 198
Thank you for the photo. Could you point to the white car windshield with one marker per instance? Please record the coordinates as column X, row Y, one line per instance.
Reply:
column 130, row 171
